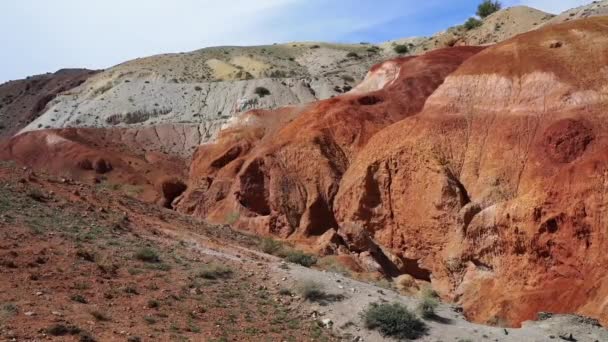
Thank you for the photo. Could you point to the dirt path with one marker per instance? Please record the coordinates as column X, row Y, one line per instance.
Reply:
column 451, row 326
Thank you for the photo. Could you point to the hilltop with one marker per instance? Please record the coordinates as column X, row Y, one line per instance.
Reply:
column 196, row 93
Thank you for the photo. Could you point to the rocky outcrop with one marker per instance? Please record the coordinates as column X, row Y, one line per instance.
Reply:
column 487, row 182
column 279, row 171
column 22, row 101
column 497, row 186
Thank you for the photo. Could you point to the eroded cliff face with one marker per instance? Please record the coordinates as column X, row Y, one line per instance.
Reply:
column 279, row 171
column 497, row 187
column 483, row 174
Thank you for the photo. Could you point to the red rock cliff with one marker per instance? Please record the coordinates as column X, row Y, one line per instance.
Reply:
column 498, row 186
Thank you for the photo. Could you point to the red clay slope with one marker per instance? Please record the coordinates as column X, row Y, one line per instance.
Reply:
column 116, row 157
column 278, row 171
column 494, row 191
column 498, row 187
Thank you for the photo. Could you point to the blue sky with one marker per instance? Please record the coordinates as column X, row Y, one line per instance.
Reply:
column 44, row 35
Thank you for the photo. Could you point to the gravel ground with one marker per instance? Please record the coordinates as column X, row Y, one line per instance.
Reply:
column 450, row 326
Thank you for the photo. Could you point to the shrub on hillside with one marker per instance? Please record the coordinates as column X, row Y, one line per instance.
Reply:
column 261, row 91
column 215, row 271
column 311, row 291
column 62, row 330
column 394, row 320
column 270, row 246
column 301, row 258
column 472, row 23
column 488, row 7
column 147, row 255
column 401, row 49
column 427, row 306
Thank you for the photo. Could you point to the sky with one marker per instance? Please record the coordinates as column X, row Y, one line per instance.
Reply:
column 41, row 36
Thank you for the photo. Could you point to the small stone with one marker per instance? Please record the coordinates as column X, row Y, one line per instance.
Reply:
column 327, row 322
column 30, row 313
column 39, row 293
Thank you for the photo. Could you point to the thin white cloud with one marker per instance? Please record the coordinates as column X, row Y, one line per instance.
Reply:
column 553, row 6
column 41, row 36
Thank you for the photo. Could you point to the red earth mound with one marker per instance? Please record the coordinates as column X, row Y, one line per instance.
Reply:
column 22, row 101
column 278, row 171
column 497, row 186
column 493, row 190
column 109, row 157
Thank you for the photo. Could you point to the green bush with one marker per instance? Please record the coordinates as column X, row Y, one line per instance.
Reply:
column 153, row 304
column 270, row 245
column 147, row 255
column 488, row 7
column 214, row 271
column 285, row 292
column 261, row 91
column 36, row 194
column 427, row 306
column 9, row 309
column 352, row 55
column 472, row 23
column 79, row 299
column 62, row 330
column 401, row 49
column 300, row 258
column 311, row 291
column 394, row 320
